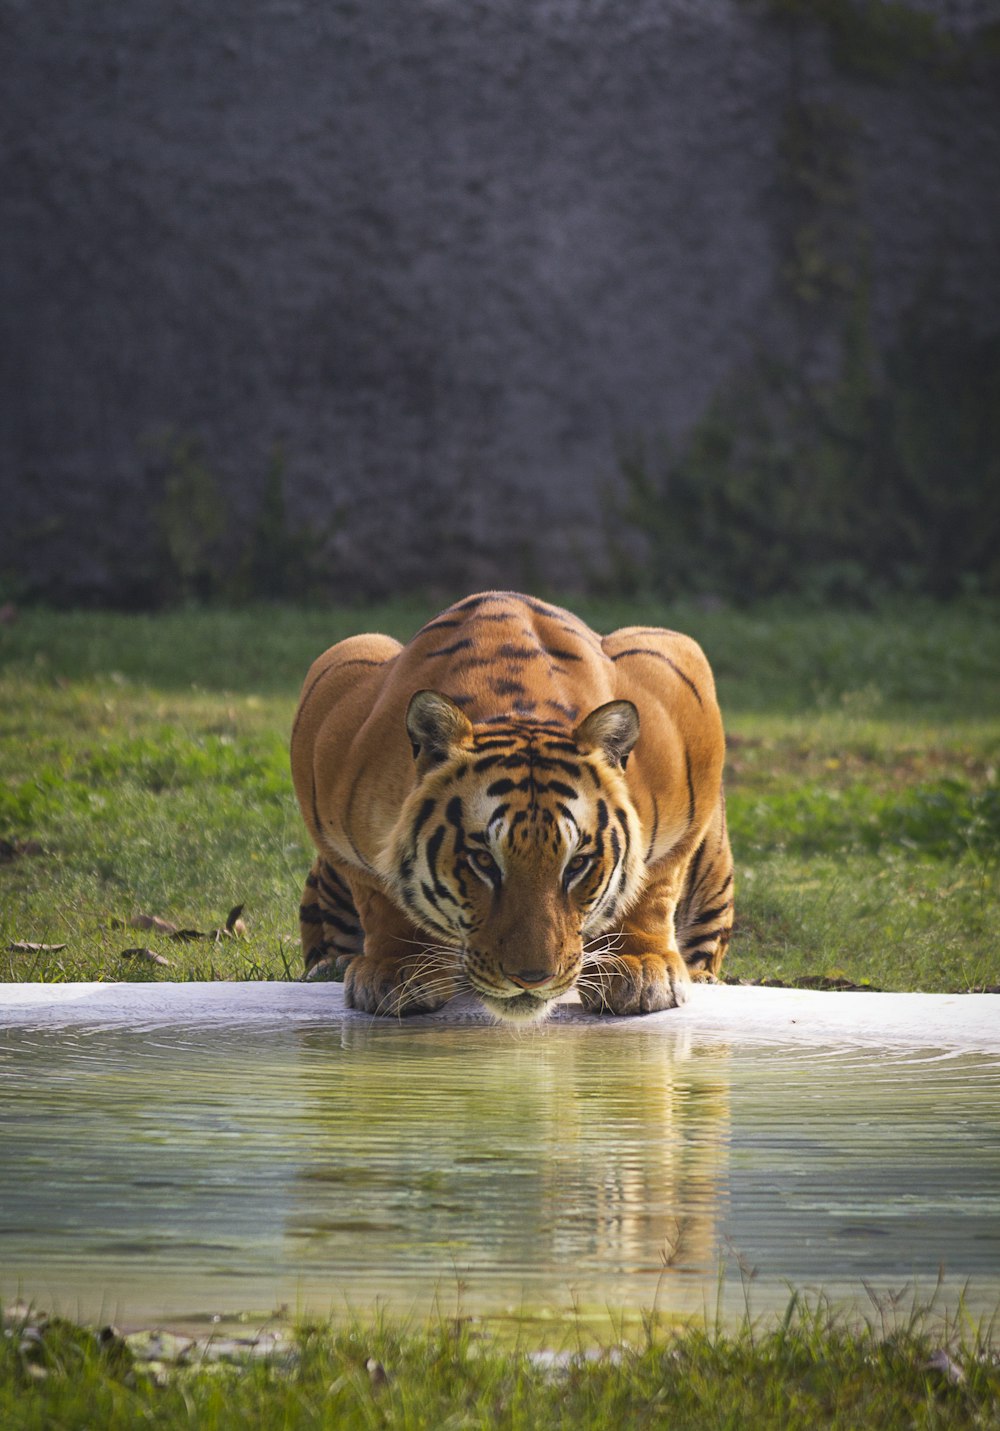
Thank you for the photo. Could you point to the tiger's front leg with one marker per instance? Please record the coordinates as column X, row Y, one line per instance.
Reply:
column 402, row 971
column 640, row 969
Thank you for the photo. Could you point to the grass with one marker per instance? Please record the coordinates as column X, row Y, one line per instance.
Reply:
column 810, row 1369
column 145, row 773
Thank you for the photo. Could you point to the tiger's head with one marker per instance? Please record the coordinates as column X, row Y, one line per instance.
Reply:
column 517, row 847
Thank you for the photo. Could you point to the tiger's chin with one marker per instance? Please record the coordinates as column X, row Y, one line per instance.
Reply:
column 518, row 1009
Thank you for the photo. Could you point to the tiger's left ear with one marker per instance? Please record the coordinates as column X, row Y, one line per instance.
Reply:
column 435, row 726
column 613, row 729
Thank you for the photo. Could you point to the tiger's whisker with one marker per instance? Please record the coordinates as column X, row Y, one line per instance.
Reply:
column 605, row 939
column 424, row 944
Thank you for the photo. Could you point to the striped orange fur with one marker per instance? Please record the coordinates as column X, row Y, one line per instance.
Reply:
column 515, row 806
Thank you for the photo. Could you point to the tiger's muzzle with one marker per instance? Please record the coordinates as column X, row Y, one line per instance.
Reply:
column 520, row 994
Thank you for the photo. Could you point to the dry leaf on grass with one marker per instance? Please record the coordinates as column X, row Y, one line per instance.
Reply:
column 15, row 849
column 145, row 921
column 149, row 955
column 22, row 947
column 153, row 921
column 833, row 981
column 234, row 928
column 234, row 924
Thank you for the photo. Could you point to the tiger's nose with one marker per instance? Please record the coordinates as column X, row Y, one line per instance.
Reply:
column 530, row 978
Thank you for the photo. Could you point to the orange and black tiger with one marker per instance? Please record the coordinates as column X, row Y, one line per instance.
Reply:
column 514, row 806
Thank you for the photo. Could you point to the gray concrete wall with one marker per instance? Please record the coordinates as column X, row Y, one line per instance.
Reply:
column 445, row 254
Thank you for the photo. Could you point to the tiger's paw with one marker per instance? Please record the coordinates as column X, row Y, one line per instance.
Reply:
column 635, row 984
column 329, row 969
column 394, row 988
column 700, row 975
column 319, row 971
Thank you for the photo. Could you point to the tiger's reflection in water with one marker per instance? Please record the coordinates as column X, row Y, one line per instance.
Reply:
column 569, row 1163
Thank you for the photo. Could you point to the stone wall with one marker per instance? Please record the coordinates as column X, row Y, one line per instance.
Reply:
column 433, row 261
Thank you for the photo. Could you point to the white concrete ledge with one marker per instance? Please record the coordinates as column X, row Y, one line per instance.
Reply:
column 958, row 1022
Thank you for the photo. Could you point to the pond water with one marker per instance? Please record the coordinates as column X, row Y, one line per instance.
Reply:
column 169, row 1173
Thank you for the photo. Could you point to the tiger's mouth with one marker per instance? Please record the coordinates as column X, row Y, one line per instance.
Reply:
column 519, row 1008
column 514, row 1000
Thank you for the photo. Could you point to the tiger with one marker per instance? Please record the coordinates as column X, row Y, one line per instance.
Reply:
column 515, row 807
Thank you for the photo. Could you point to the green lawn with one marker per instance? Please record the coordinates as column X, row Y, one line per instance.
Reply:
column 810, row 1371
column 145, row 773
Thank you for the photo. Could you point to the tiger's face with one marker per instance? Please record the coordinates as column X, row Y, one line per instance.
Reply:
column 518, row 846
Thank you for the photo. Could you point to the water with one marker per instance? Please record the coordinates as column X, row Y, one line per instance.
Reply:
column 186, row 1171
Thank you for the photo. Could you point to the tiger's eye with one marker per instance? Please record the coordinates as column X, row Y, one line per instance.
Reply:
column 484, row 861
column 576, row 864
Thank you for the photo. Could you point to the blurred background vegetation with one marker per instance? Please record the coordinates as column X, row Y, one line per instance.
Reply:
column 884, row 480
column 881, row 480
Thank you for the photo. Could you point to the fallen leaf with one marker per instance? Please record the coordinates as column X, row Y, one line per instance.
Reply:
column 234, row 929
column 832, row 982
column 835, row 981
column 153, row 921
column 21, row 947
column 150, row 956
column 14, row 849
column 234, row 924
column 145, row 921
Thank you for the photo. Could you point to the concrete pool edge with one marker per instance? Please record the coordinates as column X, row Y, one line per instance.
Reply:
column 952, row 1022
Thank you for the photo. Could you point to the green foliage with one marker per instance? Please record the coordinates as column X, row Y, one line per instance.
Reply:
column 893, row 920
column 846, row 478
column 877, row 40
column 809, row 1369
column 279, row 561
column 823, row 239
column 170, row 759
column 879, row 482
column 190, row 519
column 946, row 819
column 904, row 660
column 259, row 650
column 164, row 760
column 203, row 551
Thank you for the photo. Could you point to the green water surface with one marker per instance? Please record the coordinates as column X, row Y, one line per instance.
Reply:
column 185, row 1172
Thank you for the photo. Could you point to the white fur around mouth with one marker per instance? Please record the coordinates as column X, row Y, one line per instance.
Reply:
column 521, row 1008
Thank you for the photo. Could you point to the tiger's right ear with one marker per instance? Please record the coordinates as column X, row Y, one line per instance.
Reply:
column 613, row 729
column 435, row 726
